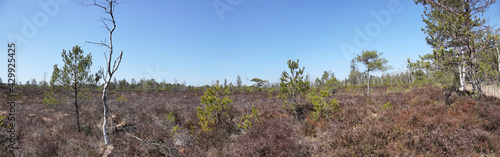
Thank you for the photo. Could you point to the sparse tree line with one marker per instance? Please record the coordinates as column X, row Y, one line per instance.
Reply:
column 465, row 50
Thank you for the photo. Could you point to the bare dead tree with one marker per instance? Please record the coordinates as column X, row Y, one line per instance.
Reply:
column 111, row 66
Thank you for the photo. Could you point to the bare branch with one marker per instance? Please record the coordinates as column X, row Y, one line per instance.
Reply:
column 156, row 143
column 99, row 43
column 115, row 66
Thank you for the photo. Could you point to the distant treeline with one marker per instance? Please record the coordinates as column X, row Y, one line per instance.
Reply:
column 328, row 79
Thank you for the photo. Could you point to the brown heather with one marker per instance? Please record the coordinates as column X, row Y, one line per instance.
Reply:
column 422, row 122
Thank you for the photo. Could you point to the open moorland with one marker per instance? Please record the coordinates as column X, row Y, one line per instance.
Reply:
column 411, row 121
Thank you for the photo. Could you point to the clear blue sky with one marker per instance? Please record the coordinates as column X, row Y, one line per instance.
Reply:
column 187, row 40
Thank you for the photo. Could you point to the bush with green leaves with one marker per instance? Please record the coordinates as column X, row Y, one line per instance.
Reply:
column 323, row 108
column 215, row 110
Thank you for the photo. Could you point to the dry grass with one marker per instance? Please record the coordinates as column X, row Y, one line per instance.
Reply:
column 423, row 122
column 489, row 90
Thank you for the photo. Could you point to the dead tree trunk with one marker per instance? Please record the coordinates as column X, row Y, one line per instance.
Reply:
column 111, row 67
column 105, row 113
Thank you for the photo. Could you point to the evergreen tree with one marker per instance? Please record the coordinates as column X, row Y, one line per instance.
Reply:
column 372, row 62
column 258, row 82
column 34, row 83
column 133, row 84
column 457, row 31
column 293, row 85
column 123, row 84
column 225, row 83
column 238, row 81
column 73, row 76
column 354, row 75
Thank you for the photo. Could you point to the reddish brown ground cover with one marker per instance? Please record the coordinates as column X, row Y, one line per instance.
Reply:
column 422, row 122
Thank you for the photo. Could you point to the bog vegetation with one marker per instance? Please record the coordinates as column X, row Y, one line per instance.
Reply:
column 426, row 110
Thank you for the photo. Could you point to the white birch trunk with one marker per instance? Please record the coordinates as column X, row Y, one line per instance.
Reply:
column 498, row 58
column 461, row 69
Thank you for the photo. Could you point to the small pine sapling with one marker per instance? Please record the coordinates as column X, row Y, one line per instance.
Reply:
column 215, row 111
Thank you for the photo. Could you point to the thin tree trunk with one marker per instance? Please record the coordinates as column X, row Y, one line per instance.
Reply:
column 294, row 103
column 475, row 82
column 295, row 106
column 105, row 118
column 110, row 69
column 498, row 59
column 75, row 88
column 461, row 69
column 76, row 109
column 368, row 72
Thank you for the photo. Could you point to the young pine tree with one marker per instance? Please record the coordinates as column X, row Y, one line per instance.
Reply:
column 74, row 77
column 373, row 62
column 293, row 85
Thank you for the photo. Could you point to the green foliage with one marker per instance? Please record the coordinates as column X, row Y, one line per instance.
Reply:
column 387, row 106
column 327, row 82
column 373, row 62
column 259, row 82
column 322, row 107
column 50, row 100
column 462, row 41
column 15, row 96
column 271, row 92
column 75, row 71
column 354, row 75
column 215, row 110
column 74, row 78
column 122, row 99
column 249, row 119
column 174, row 131
column 418, row 70
column 2, row 122
column 238, row 81
column 170, row 117
column 293, row 85
column 395, row 89
column 368, row 101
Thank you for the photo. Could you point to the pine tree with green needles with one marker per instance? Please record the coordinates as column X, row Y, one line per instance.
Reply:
column 458, row 33
column 215, row 111
column 74, row 77
column 293, row 85
column 238, row 82
column 373, row 62
column 259, row 82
